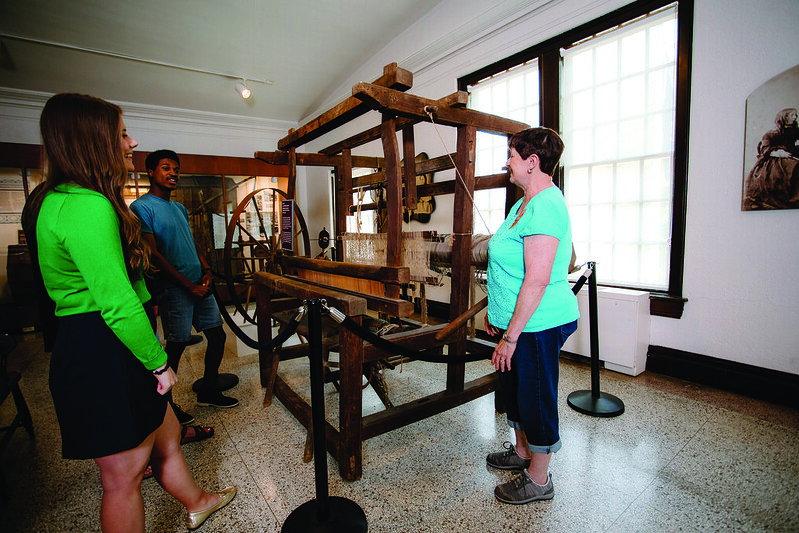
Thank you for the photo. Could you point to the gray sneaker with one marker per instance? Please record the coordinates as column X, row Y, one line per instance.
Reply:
column 507, row 460
column 522, row 489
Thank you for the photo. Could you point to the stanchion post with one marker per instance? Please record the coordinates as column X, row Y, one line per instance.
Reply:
column 593, row 320
column 593, row 402
column 323, row 514
column 317, row 414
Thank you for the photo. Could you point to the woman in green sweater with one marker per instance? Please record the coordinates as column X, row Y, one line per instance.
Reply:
column 108, row 372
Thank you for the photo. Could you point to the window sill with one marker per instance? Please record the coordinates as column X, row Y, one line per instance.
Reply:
column 666, row 306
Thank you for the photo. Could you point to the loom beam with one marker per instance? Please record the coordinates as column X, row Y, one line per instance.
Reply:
column 399, row 111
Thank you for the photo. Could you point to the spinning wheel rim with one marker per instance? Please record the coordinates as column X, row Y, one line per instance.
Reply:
column 231, row 229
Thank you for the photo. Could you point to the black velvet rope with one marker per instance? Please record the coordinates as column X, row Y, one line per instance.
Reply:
column 391, row 347
column 281, row 337
column 362, row 332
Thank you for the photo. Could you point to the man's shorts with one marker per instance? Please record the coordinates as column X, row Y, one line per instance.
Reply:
column 179, row 311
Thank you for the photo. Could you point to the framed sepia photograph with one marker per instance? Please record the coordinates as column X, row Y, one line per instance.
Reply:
column 771, row 146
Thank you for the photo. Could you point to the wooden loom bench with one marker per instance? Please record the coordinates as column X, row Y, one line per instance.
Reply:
column 345, row 442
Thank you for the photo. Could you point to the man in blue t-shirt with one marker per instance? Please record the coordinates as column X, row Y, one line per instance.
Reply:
column 182, row 285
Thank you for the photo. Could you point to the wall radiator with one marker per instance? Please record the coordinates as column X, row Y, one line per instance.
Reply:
column 623, row 329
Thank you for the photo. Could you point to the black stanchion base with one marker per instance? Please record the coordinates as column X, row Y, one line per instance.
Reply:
column 606, row 405
column 223, row 382
column 345, row 516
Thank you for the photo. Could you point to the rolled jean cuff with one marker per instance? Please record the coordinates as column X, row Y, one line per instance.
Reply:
column 552, row 448
column 515, row 425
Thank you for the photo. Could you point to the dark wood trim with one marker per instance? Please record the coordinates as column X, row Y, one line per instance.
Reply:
column 685, row 32
column 218, row 165
column 739, row 378
column 19, row 155
column 666, row 306
column 549, row 89
column 29, row 156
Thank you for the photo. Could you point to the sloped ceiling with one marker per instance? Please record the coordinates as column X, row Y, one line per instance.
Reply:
column 187, row 53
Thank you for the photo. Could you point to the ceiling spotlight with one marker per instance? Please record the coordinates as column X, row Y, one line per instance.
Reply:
column 243, row 90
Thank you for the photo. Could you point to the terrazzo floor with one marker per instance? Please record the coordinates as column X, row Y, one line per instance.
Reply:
column 680, row 458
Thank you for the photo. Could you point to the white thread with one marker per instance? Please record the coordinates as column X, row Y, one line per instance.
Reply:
column 427, row 109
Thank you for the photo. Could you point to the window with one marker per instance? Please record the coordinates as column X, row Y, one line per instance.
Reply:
column 617, row 109
column 617, row 91
column 513, row 94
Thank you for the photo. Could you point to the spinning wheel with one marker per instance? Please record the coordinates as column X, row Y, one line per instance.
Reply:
column 258, row 218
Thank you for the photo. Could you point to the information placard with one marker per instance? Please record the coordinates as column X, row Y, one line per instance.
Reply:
column 287, row 225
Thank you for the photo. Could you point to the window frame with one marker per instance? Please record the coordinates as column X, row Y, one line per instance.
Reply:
column 669, row 303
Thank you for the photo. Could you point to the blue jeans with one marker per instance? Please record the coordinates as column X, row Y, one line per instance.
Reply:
column 530, row 387
column 179, row 310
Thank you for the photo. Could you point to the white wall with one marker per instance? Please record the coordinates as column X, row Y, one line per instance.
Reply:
column 742, row 301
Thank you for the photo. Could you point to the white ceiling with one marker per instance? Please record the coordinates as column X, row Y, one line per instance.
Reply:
column 118, row 50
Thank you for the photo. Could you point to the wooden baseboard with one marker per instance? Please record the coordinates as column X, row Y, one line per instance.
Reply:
column 746, row 380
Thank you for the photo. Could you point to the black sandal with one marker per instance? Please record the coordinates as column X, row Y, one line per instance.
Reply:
column 200, row 433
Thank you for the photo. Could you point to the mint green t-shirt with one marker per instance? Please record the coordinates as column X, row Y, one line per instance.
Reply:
column 83, row 267
column 545, row 214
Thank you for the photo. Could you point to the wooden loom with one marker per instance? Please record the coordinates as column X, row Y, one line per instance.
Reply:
column 399, row 111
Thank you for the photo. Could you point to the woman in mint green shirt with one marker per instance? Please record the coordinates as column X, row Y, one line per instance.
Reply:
column 530, row 302
column 108, row 372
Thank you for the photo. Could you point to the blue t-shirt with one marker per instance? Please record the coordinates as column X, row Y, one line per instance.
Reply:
column 545, row 214
column 168, row 221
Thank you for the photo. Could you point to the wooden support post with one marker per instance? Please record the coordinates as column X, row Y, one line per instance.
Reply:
column 341, row 213
column 292, row 186
column 393, row 195
column 461, row 248
column 409, row 166
column 350, row 459
column 269, row 359
column 346, row 178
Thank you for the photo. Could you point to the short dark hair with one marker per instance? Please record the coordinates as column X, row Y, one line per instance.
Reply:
column 543, row 142
column 154, row 157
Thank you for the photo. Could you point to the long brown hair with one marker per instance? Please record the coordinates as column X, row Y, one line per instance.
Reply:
column 81, row 140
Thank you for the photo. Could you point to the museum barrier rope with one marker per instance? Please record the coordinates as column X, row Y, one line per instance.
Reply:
column 281, row 337
column 391, row 347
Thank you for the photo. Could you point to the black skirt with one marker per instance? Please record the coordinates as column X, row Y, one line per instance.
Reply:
column 105, row 400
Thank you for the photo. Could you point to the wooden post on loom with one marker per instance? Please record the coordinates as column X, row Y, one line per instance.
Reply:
column 341, row 213
column 461, row 249
column 409, row 167
column 268, row 357
column 393, row 172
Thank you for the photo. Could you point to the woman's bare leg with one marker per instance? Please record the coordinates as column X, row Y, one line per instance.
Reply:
column 539, row 468
column 122, row 507
column 539, row 462
column 170, row 468
column 522, row 449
